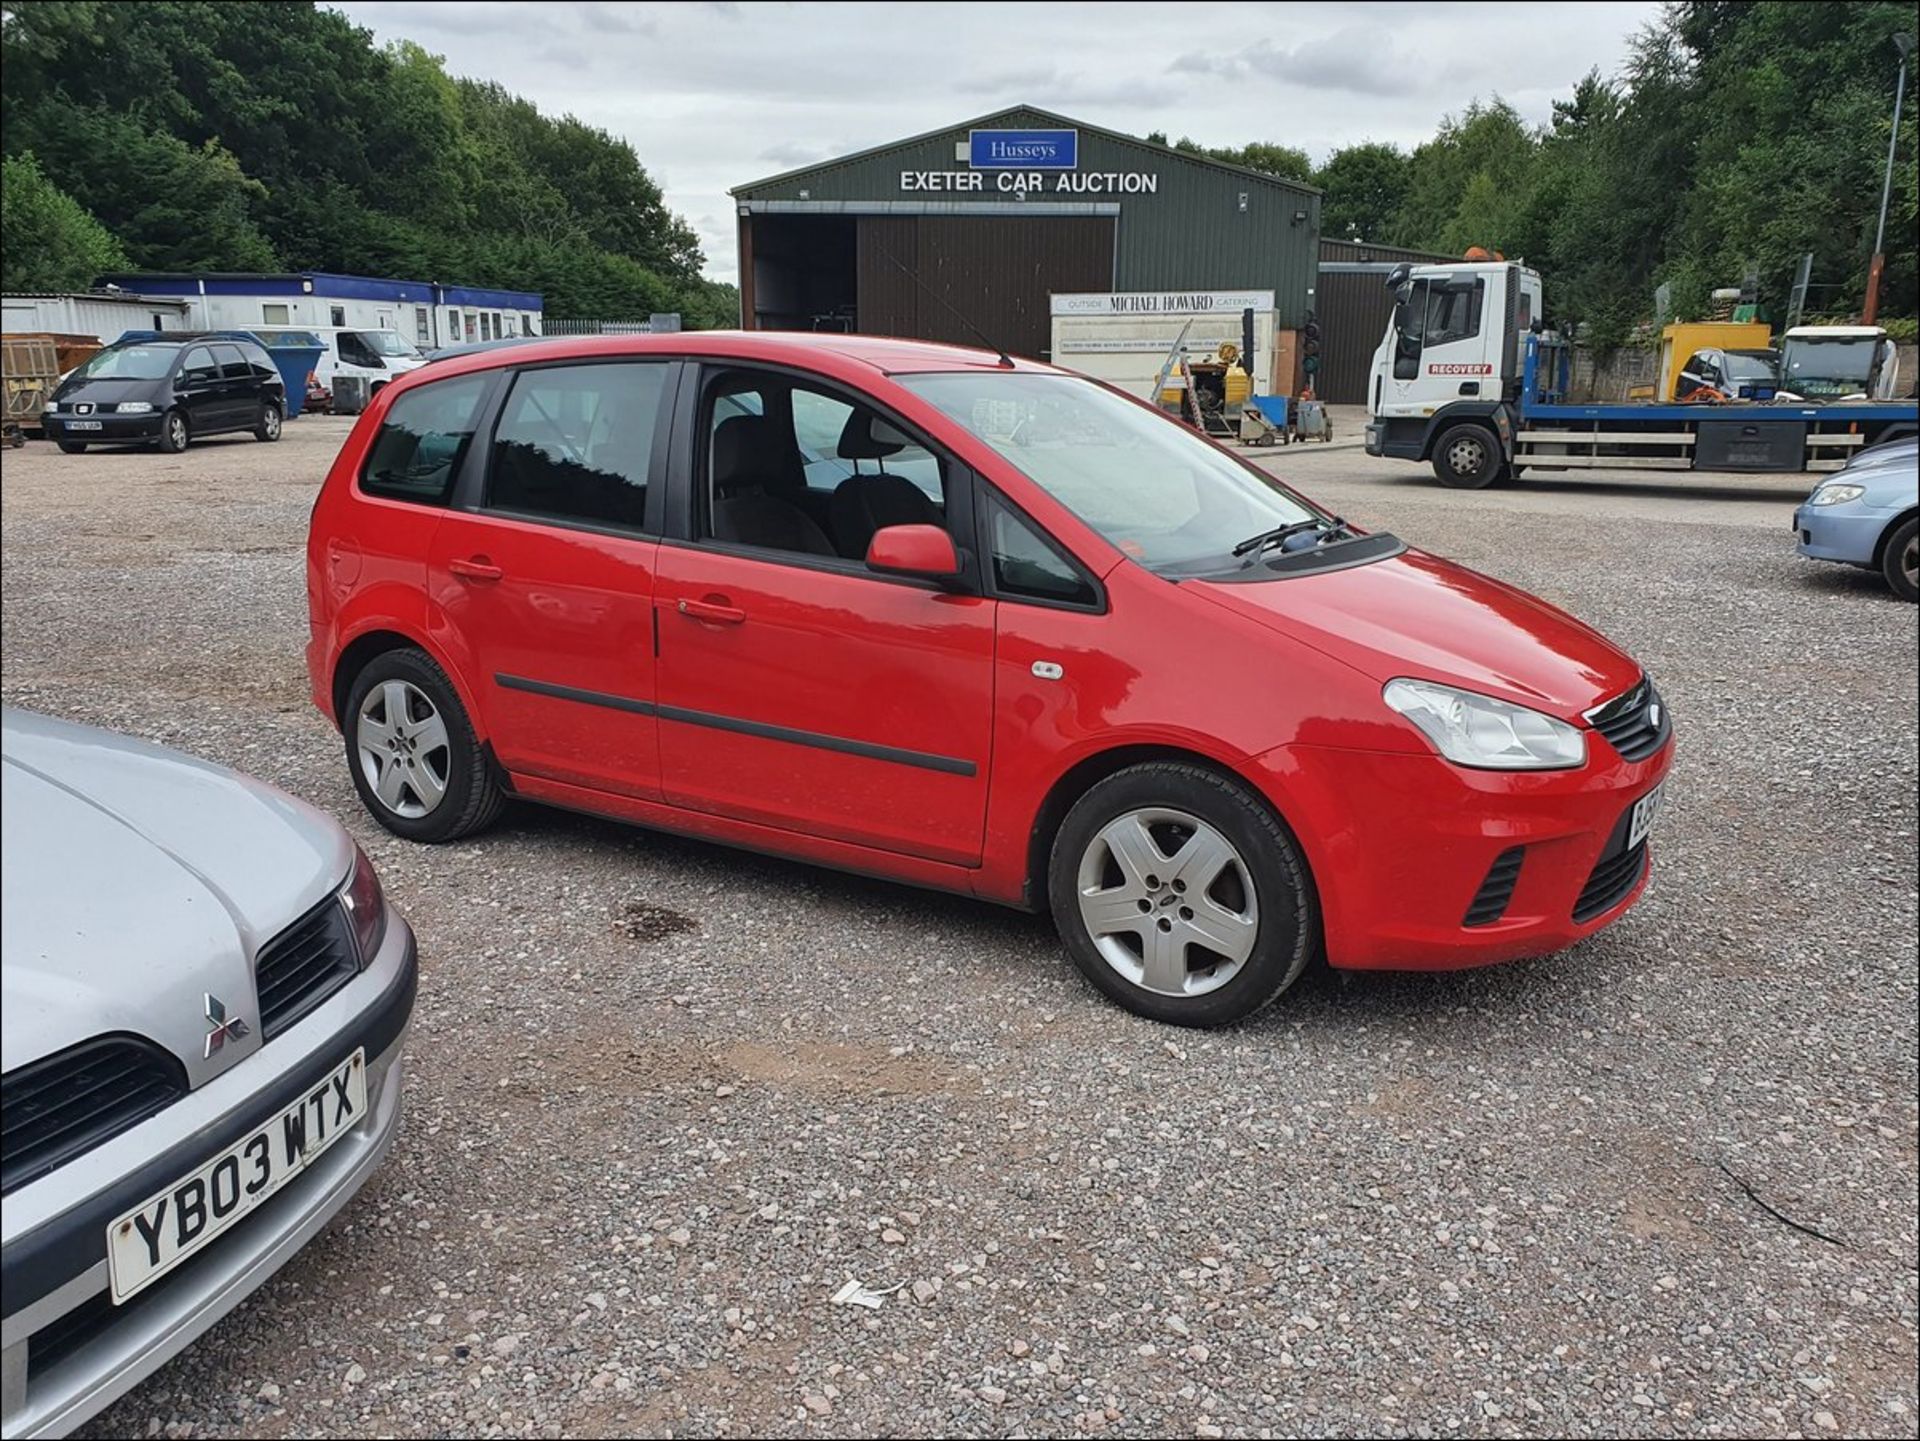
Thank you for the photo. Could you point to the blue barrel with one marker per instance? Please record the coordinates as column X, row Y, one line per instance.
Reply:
column 297, row 353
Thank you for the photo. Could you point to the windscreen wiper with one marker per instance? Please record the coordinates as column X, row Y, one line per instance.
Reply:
column 1267, row 538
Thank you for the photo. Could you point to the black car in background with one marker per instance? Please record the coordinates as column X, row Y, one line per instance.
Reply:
column 167, row 392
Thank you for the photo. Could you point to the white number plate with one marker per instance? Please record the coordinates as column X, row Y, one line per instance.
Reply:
column 1645, row 811
column 156, row 1236
column 83, row 425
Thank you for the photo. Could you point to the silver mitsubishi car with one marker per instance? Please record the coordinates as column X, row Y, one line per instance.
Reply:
column 205, row 1002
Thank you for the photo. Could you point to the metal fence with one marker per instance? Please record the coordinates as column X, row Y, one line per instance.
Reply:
column 658, row 323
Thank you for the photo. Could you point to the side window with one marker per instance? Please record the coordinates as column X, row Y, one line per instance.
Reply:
column 1453, row 311
column 1409, row 322
column 233, row 365
column 421, row 442
column 818, row 421
column 261, row 362
column 355, row 351
column 199, row 367
column 576, row 443
column 1025, row 565
column 422, row 328
column 809, row 471
column 275, row 315
column 820, row 426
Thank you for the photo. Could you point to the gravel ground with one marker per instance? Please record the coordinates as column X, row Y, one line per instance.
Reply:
column 667, row 1098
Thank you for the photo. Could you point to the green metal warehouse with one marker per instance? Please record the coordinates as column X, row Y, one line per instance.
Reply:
column 995, row 215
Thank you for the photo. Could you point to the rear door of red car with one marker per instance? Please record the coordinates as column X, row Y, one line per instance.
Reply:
column 546, row 571
column 797, row 689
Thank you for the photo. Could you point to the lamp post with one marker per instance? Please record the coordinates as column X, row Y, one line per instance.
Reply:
column 1902, row 42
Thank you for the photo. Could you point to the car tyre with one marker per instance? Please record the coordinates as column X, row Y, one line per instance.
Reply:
column 72, row 447
column 412, row 752
column 1900, row 557
column 1467, row 457
column 269, row 427
column 1172, row 868
column 174, row 432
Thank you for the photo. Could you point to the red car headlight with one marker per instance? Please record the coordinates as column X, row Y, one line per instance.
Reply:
column 366, row 907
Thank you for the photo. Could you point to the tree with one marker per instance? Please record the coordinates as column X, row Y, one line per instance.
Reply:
column 1468, row 183
column 1365, row 187
column 48, row 242
column 1262, row 155
column 173, row 206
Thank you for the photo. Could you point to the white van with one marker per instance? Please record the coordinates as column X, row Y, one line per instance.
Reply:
column 378, row 355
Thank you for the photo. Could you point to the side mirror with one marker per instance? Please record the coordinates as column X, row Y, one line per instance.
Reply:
column 924, row 551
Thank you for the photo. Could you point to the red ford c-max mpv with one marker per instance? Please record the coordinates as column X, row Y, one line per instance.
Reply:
column 981, row 625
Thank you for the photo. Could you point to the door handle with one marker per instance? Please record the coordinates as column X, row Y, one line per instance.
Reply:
column 713, row 612
column 479, row 568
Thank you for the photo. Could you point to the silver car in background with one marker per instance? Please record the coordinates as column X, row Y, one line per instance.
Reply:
column 205, row 1000
column 1867, row 513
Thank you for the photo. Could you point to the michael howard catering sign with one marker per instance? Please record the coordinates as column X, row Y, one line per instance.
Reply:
column 1024, row 149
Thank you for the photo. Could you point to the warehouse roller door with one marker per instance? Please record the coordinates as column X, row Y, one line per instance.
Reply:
column 997, row 271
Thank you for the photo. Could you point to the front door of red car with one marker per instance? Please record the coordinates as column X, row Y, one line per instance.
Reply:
column 798, row 689
column 546, row 576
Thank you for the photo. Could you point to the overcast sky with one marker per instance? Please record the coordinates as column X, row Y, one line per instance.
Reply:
column 712, row 96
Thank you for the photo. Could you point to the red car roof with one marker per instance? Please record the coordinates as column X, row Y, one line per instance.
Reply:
column 882, row 353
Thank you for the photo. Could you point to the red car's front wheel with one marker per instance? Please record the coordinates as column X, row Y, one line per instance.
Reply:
column 1180, row 895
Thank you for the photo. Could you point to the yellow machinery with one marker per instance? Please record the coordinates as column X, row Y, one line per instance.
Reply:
column 1677, row 342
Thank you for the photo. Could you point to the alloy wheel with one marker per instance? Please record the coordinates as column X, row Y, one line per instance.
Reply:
column 1168, row 902
column 403, row 748
column 270, row 422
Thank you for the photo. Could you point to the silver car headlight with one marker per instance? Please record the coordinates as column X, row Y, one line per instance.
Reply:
column 135, row 407
column 1837, row 493
column 1476, row 730
column 366, row 907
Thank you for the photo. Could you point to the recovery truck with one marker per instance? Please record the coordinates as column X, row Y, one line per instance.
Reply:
column 1470, row 379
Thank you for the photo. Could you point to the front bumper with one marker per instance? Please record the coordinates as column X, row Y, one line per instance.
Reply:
column 1401, row 844
column 1398, row 437
column 114, row 429
column 55, row 1270
column 1848, row 532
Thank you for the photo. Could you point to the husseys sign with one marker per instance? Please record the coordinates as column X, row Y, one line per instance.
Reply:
column 1022, row 162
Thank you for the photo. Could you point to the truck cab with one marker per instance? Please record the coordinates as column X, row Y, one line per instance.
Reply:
column 1455, row 344
column 1836, row 362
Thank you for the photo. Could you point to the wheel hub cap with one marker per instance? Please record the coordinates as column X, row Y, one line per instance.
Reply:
column 404, row 751
column 1168, row 902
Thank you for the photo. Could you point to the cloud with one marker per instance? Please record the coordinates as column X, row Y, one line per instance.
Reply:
column 1353, row 61
column 618, row 19
column 1033, row 78
column 794, row 156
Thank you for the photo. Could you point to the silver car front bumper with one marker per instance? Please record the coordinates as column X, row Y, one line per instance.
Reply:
column 129, row 1343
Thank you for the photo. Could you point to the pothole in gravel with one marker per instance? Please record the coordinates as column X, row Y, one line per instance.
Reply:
column 643, row 921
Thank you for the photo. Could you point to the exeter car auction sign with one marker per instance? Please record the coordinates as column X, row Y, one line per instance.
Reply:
column 1020, row 163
